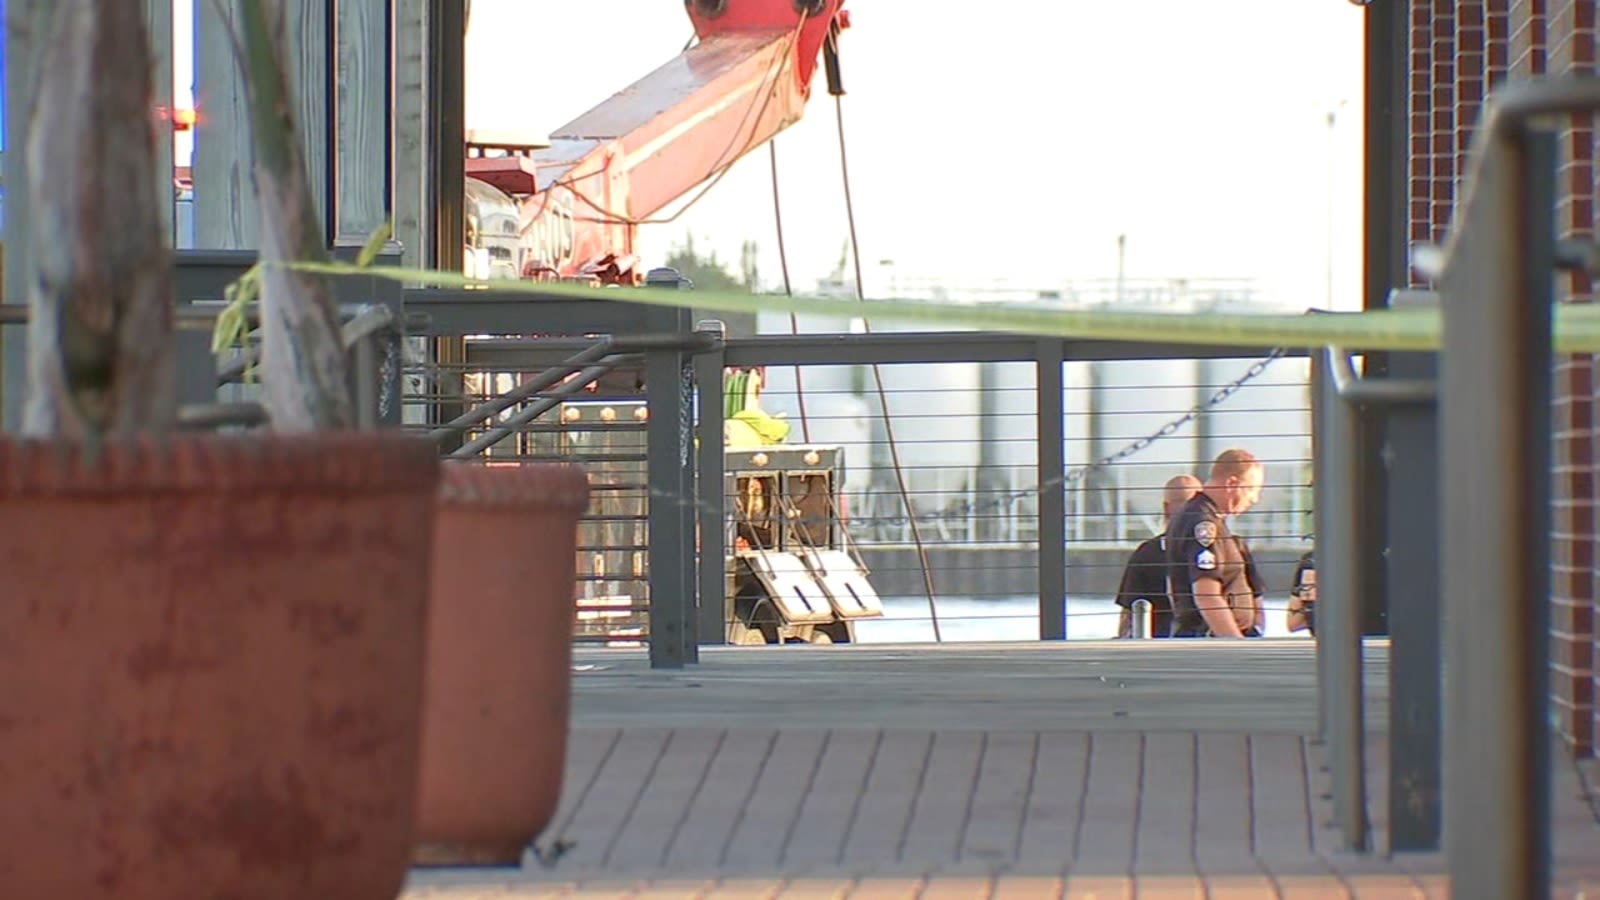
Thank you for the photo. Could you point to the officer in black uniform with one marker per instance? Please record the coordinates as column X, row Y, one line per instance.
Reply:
column 1145, row 576
column 1211, row 592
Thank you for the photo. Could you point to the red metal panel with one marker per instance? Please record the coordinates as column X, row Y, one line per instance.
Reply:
column 768, row 16
column 745, row 80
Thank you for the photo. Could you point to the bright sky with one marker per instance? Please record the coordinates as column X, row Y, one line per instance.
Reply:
column 1009, row 138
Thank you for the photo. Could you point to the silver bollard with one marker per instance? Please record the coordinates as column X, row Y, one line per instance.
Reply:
column 1143, row 619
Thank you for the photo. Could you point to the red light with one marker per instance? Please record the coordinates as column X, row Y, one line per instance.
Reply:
column 185, row 119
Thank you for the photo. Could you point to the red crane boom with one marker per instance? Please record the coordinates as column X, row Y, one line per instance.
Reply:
column 579, row 201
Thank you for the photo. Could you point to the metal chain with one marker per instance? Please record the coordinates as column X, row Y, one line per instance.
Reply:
column 686, row 412
column 1171, row 428
column 1167, row 430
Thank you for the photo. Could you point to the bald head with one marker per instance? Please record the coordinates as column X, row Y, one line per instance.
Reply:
column 1177, row 492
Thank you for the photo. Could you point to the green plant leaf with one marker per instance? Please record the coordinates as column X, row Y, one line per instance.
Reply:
column 233, row 323
column 374, row 244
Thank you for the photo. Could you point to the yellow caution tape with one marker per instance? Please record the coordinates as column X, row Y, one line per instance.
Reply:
column 1577, row 327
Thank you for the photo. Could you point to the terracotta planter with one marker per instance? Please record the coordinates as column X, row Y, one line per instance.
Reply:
column 212, row 650
column 499, row 673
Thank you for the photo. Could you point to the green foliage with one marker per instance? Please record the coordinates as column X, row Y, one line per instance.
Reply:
column 710, row 273
column 233, row 323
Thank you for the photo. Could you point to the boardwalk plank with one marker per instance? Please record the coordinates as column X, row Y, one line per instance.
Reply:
column 944, row 798
column 920, row 774
column 1164, row 835
column 611, row 800
column 713, row 813
column 829, row 808
column 1055, row 802
column 676, row 782
column 1000, row 800
column 764, row 826
column 883, row 816
column 1105, row 841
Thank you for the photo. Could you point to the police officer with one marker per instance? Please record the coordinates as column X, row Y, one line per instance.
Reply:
column 1211, row 592
column 1258, row 590
column 1145, row 576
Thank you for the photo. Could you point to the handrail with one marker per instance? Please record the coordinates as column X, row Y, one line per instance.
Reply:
column 366, row 322
column 537, row 408
column 595, row 352
column 1354, row 388
column 1338, row 521
column 1495, row 275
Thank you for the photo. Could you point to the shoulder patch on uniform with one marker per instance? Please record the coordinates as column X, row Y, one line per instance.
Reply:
column 1205, row 560
column 1205, row 533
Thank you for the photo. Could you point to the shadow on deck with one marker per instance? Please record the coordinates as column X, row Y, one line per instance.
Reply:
column 1019, row 770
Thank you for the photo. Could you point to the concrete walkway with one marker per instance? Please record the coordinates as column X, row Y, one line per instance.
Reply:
column 991, row 772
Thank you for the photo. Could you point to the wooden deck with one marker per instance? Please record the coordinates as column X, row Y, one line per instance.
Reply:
column 984, row 771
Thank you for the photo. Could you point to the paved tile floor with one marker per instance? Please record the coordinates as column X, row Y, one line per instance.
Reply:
column 933, row 807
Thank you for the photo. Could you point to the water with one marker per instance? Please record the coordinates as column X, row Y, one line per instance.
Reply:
column 966, row 619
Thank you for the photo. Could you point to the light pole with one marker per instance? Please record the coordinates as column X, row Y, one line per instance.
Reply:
column 1122, row 254
column 1333, row 121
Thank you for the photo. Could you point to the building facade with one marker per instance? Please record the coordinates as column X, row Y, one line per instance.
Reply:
column 1459, row 50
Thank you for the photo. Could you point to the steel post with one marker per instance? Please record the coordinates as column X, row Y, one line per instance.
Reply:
column 1339, row 581
column 1321, row 482
column 1052, row 490
column 664, row 475
column 1495, row 434
column 669, row 396
column 1141, row 619
column 709, row 500
column 1411, row 450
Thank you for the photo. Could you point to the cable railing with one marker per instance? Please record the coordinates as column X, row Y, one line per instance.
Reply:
column 967, row 440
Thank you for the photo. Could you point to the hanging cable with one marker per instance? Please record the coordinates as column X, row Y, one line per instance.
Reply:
column 788, row 288
column 738, row 145
column 877, row 374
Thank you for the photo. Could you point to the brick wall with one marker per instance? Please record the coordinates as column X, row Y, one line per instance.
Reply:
column 1569, row 28
column 1459, row 49
column 1427, row 18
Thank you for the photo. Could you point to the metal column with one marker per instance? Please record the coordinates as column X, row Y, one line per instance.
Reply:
column 1052, row 490
column 1411, row 569
column 1321, row 396
column 669, row 437
column 1339, row 580
column 446, row 120
column 1386, row 242
column 709, row 501
column 445, row 95
column 1495, row 436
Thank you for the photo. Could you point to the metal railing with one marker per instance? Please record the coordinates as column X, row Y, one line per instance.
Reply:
column 1487, row 588
column 218, row 394
column 967, row 412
